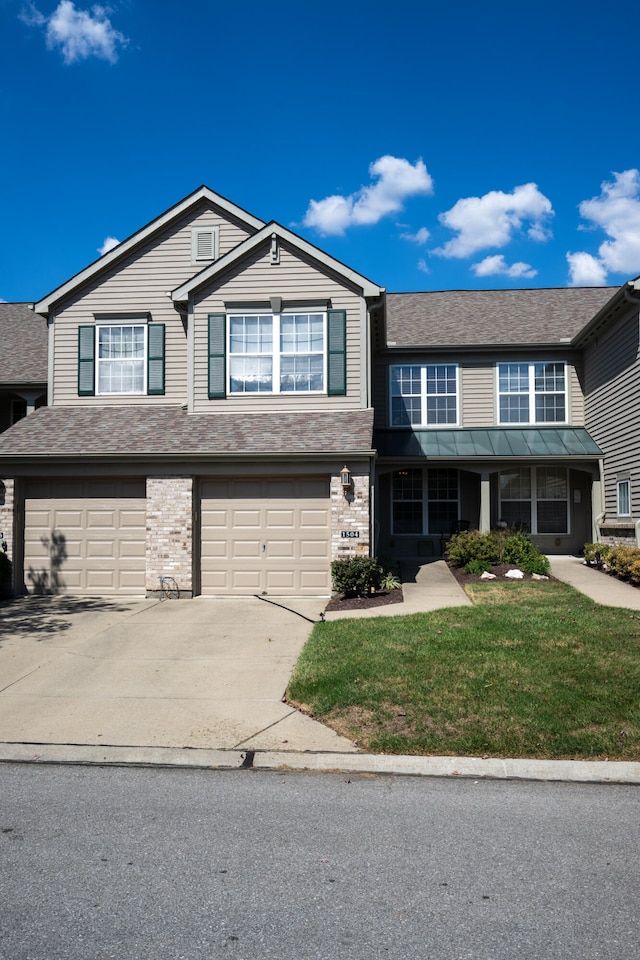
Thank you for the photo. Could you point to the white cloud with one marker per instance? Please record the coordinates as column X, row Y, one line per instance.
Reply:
column 586, row 270
column 395, row 181
column 497, row 266
column 617, row 212
column 491, row 220
column 422, row 266
column 420, row 237
column 79, row 34
column 109, row 244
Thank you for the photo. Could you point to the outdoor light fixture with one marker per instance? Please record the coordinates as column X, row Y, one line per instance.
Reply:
column 345, row 478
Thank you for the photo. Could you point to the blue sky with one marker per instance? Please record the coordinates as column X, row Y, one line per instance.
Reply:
column 428, row 146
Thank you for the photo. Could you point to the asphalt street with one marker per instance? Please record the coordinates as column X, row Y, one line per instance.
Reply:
column 158, row 864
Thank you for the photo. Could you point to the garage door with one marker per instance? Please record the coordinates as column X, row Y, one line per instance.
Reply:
column 85, row 537
column 267, row 536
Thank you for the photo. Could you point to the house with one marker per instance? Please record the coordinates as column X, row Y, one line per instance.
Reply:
column 23, row 369
column 231, row 406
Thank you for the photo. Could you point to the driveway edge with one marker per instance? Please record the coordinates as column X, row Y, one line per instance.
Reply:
column 489, row 768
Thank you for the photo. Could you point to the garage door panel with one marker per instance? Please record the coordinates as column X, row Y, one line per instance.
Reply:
column 85, row 545
column 290, row 552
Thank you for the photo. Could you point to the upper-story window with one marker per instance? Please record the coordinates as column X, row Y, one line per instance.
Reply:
column 532, row 392
column 277, row 353
column 121, row 358
column 424, row 395
column 624, row 498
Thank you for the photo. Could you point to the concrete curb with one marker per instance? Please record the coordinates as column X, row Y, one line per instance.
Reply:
column 490, row 768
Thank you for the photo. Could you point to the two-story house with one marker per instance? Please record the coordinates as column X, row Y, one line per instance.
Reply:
column 213, row 382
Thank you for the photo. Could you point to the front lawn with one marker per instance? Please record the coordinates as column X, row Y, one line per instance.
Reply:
column 531, row 670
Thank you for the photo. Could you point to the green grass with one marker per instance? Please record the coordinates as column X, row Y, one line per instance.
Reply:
column 531, row 670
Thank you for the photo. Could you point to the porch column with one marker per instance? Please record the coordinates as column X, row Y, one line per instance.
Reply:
column 485, row 502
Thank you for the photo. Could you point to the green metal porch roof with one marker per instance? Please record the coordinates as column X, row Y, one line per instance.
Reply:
column 485, row 444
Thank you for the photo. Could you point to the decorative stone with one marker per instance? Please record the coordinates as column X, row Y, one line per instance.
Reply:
column 538, row 576
column 514, row 574
column 487, row 576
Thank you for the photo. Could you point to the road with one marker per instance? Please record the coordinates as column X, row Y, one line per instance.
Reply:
column 159, row 864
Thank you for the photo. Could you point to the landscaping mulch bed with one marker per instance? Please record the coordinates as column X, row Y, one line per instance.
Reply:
column 380, row 599
column 499, row 570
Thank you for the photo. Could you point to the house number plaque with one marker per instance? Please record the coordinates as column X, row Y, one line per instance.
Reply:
column 351, row 534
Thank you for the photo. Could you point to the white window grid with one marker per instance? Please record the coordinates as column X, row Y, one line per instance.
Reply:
column 540, row 488
column 623, row 490
column 424, row 395
column 532, row 393
column 121, row 358
column 280, row 353
column 429, row 492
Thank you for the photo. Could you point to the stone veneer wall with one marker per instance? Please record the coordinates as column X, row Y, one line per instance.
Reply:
column 170, row 532
column 350, row 513
column 618, row 533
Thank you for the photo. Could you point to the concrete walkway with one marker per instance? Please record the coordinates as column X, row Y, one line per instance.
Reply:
column 600, row 587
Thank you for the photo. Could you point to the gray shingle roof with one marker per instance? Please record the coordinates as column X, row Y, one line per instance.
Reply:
column 160, row 430
column 488, row 317
column 23, row 345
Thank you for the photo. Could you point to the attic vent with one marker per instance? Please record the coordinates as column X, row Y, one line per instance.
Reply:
column 204, row 244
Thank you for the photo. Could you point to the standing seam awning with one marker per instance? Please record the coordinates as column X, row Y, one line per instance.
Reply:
column 498, row 442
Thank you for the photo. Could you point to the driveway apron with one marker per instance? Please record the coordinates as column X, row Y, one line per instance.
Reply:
column 200, row 673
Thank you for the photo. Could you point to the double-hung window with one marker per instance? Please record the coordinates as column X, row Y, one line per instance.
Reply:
column 424, row 395
column 277, row 353
column 424, row 501
column 532, row 392
column 535, row 499
column 624, row 498
column 121, row 358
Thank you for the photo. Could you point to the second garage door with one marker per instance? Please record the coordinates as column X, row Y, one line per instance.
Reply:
column 266, row 536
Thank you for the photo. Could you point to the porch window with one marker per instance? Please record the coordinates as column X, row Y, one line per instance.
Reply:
column 424, row 395
column 424, row 502
column 532, row 392
column 535, row 499
column 624, row 498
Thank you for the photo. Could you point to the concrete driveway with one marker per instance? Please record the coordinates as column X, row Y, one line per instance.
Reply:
column 199, row 673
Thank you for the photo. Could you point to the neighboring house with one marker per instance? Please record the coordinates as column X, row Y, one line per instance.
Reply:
column 23, row 363
column 212, row 393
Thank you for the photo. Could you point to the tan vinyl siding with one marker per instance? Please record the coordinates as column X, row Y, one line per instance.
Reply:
column 140, row 283
column 612, row 406
column 478, row 389
column 295, row 279
column 575, row 412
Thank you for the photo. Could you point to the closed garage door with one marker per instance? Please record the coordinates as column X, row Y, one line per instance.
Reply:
column 268, row 536
column 85, row 537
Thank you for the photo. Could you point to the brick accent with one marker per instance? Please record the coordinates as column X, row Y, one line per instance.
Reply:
column 170, row 532
column 618, row 533
column 7, row 502
column 350, row 513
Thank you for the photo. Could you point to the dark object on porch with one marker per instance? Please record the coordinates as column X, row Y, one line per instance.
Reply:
column 458, row 526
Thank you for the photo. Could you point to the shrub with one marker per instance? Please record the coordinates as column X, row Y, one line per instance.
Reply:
column 357, row 576
column 634, row 570
column 620, row 560
column 477, row 566
column 539, row 564
column 471, row 545
column 596, row 554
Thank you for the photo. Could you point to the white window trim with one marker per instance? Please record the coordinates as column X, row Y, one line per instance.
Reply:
column 424, row 425
column 425, row 532
column 196, row 232
column 532, row 422
column 625, row 481
column 534, row 499
column 121, row 322
column 275, row 354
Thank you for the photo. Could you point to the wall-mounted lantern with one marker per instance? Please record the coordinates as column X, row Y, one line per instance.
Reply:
column 345, row 479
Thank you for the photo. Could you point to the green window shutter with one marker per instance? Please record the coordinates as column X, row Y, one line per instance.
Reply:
column 86, row 361
column 155, row 359
column 337, row 349
column 217, row 356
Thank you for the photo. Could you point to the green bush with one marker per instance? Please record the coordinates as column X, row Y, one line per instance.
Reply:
column 477, row 566
column 471, row 545
column 357, row 576
column 596, row 553
column 621, row 559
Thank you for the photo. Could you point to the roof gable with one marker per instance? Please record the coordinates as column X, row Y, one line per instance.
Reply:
column 141, row 236
column 269, row 230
